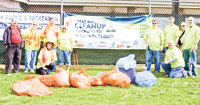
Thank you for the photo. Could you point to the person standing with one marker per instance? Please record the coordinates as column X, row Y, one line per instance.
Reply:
column 65, row 47
column 171, row 32
column 32, row 45
column 182, row 32
column 174, row 62
column 190, row 41
column 51, row 32
column 154, row 40
column 13, row 42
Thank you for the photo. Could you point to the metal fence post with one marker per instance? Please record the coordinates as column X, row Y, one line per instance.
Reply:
column 175, row 11
column 149, row 7
column 61, row 13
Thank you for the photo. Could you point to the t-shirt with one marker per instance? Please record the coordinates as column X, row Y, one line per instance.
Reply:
column 175, row 53
column 15, row 37
column 65, row 41
column 192, row 34
column 171, row 32
column 154, row 37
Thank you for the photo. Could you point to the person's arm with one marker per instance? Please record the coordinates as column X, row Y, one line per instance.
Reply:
column 178, row 34
column 194, row 45
column 162, row 45
column 173, row 60
column 197, row 41
column 146, row 43
column 40, row 56
column 145, row 40
column 5, row 37
column 72, row 43
column 58, row 45
column 42, row 32
column 162, row 40
column 25, row 33
column 55, row 56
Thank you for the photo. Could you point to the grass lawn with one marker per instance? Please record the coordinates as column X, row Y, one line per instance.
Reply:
column 179, row 91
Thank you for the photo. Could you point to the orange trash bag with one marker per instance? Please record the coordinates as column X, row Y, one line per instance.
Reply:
column 29, row 77
column 47, row 80
column 80, row 79
column 32, row 87
column 115, row 78
column 61, row 78
column 96, row 81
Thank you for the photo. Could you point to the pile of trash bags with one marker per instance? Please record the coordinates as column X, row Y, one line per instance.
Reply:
column 128, row 66
column 38, row 86
column 122, row 76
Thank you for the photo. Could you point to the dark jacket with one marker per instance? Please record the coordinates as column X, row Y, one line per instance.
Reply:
column 7, row 37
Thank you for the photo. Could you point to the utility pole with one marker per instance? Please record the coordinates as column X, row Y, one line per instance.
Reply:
column 175, row 12
column 149, row 7
column 61, row 13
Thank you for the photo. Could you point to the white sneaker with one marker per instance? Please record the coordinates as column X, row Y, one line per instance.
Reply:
column 194, row 76
column 32, row 71
column 185, row 74
column 25, row 71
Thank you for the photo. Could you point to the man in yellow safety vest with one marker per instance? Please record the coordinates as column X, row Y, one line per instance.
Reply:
column 32, row 44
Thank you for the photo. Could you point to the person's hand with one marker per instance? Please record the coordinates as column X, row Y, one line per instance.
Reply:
column 71, row 50
column 147, row 46
column 166, row 62
column 161, row 49
column 5, row 45
column 192, row 49
column 44, row 67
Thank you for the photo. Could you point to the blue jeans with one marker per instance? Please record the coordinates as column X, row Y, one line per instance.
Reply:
column 157, row 56
column 173, row 72
column 30, row 58
column 64, row 56
column 187, row 54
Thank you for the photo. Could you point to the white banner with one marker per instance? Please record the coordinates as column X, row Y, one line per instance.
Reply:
column 107, row 33
column 25, row 20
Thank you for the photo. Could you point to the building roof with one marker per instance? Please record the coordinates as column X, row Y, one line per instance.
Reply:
column 119, row 3
column 8, row 5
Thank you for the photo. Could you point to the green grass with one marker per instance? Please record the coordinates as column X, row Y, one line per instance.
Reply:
column 179, row 91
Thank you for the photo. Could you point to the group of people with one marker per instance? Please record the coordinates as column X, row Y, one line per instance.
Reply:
column 55, row 40
column 179, row 46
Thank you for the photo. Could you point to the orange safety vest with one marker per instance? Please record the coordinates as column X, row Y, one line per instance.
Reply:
column 45, row 57
column 32, row 37
column 55, row 30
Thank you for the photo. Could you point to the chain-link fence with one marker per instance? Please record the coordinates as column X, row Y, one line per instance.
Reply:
column 159, row 9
